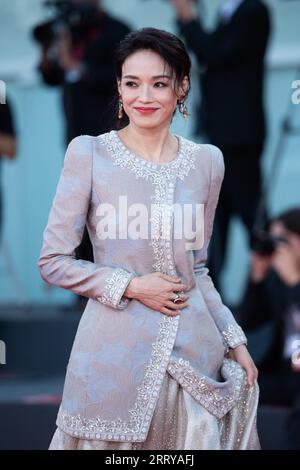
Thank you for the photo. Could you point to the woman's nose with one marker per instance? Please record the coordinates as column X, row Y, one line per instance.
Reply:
column 145, row 94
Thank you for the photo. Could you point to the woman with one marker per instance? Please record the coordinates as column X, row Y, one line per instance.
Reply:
column 147, row 368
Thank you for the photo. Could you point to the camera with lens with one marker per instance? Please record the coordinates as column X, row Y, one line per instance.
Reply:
column 75, row 17
column 265, row 244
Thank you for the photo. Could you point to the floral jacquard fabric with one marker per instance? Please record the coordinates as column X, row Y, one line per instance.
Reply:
column 123, row 349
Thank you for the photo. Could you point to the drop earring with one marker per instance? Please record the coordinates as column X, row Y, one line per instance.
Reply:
column 120, row 111
column 183, row 109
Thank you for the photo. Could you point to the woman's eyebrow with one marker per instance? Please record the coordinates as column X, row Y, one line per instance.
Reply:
column 155, row 76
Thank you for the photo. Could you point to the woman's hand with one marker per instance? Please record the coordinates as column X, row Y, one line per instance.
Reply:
column 241, row 355
column 156, row 290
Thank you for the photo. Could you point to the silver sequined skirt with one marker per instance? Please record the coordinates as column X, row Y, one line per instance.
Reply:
column 180, row 423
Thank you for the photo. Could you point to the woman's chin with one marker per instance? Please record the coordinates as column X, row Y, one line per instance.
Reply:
column 148, row 123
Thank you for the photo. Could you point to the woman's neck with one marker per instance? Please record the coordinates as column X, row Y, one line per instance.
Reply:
column 155, row 145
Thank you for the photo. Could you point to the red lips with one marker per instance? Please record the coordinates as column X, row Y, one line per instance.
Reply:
column 144, row 110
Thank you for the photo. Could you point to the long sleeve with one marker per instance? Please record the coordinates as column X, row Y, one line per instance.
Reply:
column 96, row 76
column 51, row 72
column 233, row 334
column 64, row 230
column 248, row 33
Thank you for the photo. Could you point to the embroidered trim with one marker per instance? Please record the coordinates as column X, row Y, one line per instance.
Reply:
column 216, row 397
column 158, row 173
column 136, row 428
column 234, row 336
column 115, row 286
column 162, row 221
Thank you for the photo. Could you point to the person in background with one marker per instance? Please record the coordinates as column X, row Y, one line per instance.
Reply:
column 272, row 295
column 81, row 61
column 231, row 113
column 8, row 143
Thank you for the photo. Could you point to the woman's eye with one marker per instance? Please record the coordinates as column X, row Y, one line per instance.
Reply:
column 160, row 84
column 156, row 85
column 130, row 84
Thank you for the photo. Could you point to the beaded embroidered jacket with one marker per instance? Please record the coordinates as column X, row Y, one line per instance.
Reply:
column 122, row 348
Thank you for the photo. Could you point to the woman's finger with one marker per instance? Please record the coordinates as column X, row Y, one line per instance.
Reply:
column 173, row 296
column 251, row 374
column 169, row 312
column 178, row 287
column 178, row 306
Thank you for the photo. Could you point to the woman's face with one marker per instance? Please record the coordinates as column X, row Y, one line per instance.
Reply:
column 147, row 90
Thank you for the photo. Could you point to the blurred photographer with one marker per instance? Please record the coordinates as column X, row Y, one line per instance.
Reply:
column 231, row 113
column 272, row 296
column 77, row 48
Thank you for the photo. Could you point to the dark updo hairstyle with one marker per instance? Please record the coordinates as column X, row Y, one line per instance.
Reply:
column 168, row 46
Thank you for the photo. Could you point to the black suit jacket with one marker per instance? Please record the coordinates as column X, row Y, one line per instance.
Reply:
column 231, row 82
column 88, row 102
